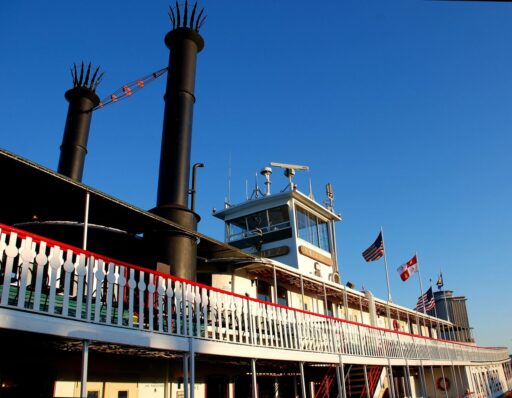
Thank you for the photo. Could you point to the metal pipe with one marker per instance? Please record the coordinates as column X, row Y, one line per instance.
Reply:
column 338, row 381
column 85, row 366
column 444, row 378
column 192, row 358
column 193, row 189
column 274, row 296
column 433, row 381
column 253, row 377
column 86, row 220
column 185, row 375
column 366, row 382
column 302, row 380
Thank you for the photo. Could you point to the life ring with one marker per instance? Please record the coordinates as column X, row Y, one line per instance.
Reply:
column 396, row 326
column 443, row 384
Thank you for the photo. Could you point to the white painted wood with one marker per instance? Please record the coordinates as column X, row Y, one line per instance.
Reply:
column 132, row 284
column 160, row 302
column 204, row 307
column 98, row 293
column 55, row 262
column 27, row 256
column 109, row 284
column 91, row 282
column 121, row 294
column 81, row 272
column 11, row 251
column 179, row 307
column 170, row 306
column 41, row 261
column 141, row 288
column 151, row 301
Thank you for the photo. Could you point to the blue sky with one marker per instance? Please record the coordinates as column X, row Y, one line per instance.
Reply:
column 403, row 105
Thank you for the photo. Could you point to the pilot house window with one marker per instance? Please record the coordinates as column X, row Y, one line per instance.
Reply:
column 259, row 223
column 313, row 229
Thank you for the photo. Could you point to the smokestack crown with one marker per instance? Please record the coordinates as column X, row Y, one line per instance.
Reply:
column 82, row 99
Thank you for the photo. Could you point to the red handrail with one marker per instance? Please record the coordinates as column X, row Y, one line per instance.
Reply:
column 38, row 238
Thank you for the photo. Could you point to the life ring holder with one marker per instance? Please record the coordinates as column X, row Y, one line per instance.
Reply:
column 443, row 384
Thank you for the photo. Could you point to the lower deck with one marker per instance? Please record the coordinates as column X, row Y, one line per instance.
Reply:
column 41, row 365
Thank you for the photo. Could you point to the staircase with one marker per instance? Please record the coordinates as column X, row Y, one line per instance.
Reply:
column 355, row 384
column 327, row 382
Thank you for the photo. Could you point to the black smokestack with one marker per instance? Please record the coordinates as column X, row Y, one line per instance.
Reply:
column 82, row 99
column 176, row 249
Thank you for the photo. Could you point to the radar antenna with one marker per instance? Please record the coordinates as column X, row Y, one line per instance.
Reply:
column 289, row 172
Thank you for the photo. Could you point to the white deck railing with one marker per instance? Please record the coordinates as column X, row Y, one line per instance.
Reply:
column 54, row 279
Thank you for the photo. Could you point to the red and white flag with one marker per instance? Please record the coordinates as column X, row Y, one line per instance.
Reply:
column 409, row 268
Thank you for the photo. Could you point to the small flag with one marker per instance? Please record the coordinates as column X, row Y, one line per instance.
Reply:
column 426, row 301
column 407, row 269
column 440, row 282
column 376, row 250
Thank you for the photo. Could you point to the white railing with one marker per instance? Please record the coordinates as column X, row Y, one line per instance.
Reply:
column 51, row 278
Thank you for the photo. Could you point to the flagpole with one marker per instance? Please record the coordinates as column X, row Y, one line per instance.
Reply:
column 447, row 312
column 421, row 284
column 388, row 310
column 386, row 266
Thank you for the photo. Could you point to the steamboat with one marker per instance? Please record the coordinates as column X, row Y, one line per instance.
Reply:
column 101, row 299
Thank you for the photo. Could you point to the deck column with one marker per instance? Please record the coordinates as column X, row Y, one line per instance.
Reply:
column 86, row 220
column 433, row 381
column 391, row 380
column 366, row 382
column 341, row 369
column 302, row 292
column 85, row 366
column 185, row 375
column 421, row 373
column 254, row 381
column 338, row 381
column 302, row 380
column 192, row 358
column 408, row 379
column 446, row 390
column 455, row 380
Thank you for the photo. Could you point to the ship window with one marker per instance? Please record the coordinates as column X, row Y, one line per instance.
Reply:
column 264, row 291
column 282, row 296
column 330, row 306
column 237, row 227
column 313, row 229
column 257, row 221
column 258, row 224
column 277, row 216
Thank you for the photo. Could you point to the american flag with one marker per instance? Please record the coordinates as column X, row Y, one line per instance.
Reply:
column 426, row 301
column 376, row 250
